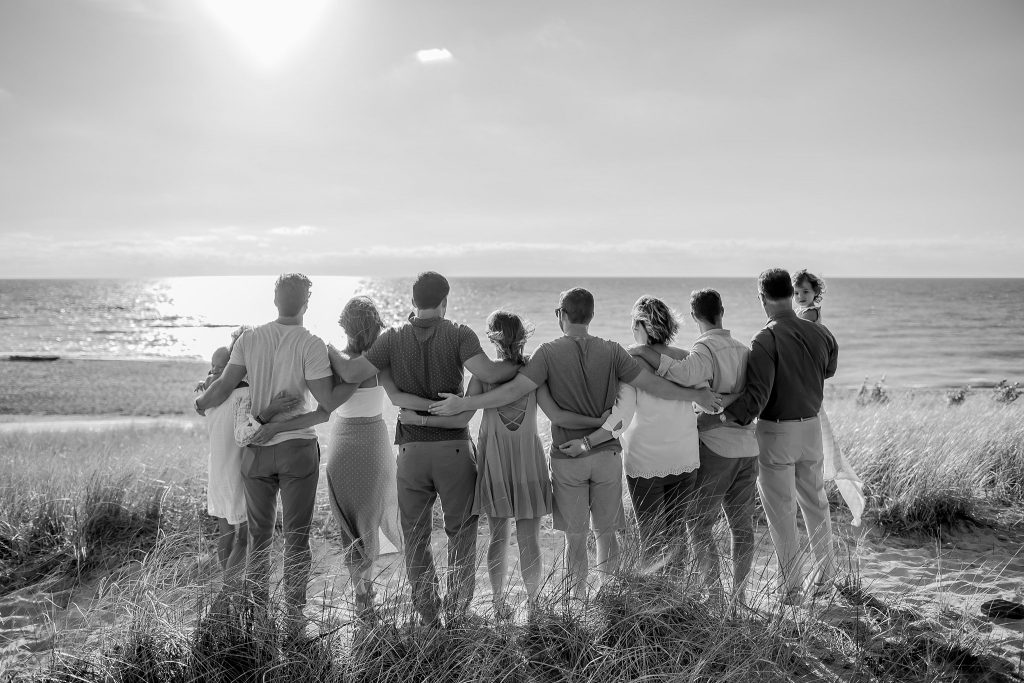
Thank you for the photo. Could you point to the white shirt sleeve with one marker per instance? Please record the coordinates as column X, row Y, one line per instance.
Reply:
column 245, row 424
column 622, row 412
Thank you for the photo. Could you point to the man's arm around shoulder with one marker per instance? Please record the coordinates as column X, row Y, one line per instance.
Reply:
column 490, row 371
column 329, row 394
column 221, row 388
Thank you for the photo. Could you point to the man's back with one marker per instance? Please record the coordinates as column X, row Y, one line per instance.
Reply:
column 583, row 375
column 426, row 357
column 281, row 358
column 804, row 355
column 728, row 358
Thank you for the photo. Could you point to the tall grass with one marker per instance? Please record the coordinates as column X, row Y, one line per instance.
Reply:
column 74, row 503
column 927, row 463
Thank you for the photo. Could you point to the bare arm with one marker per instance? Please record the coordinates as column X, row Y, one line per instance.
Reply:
column 328, row 394
column 304, row 421
column 503, row 395
column 351, row 371
column 490, row 371
column 458, row 421
column 661, row 388
column 401, row 398
column 564, row 418
column 221, row 388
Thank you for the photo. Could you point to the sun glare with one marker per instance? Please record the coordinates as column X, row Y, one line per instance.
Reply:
column 267, row 31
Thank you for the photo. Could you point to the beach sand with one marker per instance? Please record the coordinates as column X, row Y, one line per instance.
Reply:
column 933, row 580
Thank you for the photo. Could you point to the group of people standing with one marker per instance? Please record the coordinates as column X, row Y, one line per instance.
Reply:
column 679, row 421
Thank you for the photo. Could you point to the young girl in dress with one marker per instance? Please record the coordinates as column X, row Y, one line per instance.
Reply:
column 809, row 290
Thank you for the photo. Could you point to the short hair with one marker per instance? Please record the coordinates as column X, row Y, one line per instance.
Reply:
column 429, row 290
column 817, row 284
column 578, row 305
column 362, row 324
column 291, row 293
column 661, row 324
column 706, row 304
column 775, row 284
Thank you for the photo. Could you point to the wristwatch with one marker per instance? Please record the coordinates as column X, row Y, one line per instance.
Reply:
column 259, row 419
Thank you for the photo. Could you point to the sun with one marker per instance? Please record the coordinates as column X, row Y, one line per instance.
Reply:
column 267, row 31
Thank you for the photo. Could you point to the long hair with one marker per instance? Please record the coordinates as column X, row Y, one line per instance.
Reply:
column 657, row 317
column 509, row 333
column 362, row 324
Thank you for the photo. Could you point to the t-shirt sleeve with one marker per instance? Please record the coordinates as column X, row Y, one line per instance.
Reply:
column 379, row 354
column 537, row 369
column 469, row 344
column 238, row 350
column 627, row 368
column 315, row 363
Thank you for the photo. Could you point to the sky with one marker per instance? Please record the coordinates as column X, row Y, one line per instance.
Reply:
column 533, row 138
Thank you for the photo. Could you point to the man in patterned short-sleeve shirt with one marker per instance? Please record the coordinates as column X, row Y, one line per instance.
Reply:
column 426, row 357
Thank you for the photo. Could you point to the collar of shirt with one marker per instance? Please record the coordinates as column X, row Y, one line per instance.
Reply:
column 717, row 332
column 424, row 322
column 788, row 313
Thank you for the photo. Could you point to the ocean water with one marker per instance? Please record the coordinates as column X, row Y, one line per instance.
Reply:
column 914, row 332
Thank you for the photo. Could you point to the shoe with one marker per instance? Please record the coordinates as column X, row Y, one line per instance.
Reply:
column 1002, row 609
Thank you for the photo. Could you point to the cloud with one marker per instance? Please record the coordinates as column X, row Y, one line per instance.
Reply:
column 434, row 55
column 295, row 231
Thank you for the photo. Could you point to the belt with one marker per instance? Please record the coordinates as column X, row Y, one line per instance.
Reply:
column 796, row 419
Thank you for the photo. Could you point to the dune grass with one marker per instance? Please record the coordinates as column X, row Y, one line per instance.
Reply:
column 928, row 463
column 81, row 504
column 72, row 503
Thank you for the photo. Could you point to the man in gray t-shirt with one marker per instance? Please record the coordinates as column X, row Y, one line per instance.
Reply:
column 583, row 374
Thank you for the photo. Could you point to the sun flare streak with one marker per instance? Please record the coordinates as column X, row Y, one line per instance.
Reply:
column 267, row 31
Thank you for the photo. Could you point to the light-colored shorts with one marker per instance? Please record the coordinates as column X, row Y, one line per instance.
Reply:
column 587, row 491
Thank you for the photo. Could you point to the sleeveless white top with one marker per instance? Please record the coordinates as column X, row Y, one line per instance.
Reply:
column 366, row 402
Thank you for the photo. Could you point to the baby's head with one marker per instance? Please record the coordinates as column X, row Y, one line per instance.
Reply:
column 509, row 333
column 808, row 288
column 219, row 361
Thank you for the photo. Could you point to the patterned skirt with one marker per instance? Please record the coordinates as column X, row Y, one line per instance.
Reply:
column 361, row 482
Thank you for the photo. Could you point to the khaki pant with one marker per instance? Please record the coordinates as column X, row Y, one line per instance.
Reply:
column 790, row 475
column 293, row 468
column 426, row 470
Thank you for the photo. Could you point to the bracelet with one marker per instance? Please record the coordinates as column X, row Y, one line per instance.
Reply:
column 259, row 419
column 586, row 444
column 423, row 420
